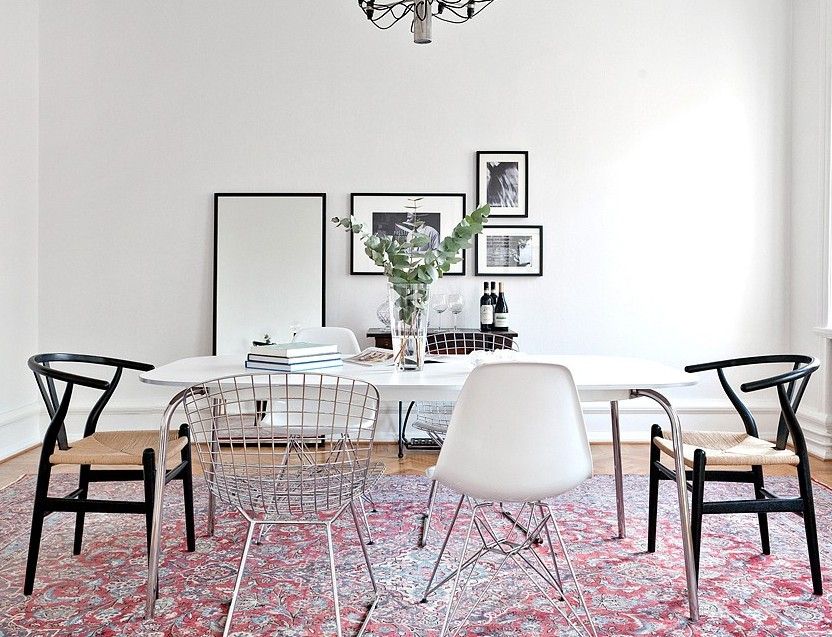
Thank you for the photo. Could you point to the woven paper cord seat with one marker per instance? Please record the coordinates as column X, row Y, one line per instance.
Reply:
column 118, row 448
column 729, row 449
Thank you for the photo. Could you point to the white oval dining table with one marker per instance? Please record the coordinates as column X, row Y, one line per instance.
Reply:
column 598, row 379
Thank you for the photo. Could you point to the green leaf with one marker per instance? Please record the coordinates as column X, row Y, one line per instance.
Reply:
column 420, row 241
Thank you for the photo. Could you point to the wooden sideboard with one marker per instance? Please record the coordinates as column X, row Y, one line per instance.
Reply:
column 382, row 338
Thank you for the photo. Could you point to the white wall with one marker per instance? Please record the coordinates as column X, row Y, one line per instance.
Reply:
column 18, row 222
column 659, row 161
column 810, row 208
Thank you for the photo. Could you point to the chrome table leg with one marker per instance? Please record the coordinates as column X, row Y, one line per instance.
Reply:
column 212, row 505
column 156, row 531
column 619, row 470
column 682, row 489
column 216, row 409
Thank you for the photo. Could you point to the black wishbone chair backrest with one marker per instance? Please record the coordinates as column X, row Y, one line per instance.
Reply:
column 57, row 406
column 790, row 385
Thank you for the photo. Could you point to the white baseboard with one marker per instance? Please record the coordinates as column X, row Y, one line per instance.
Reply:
column 19, row 429
column 636, row 418
column 817, row 428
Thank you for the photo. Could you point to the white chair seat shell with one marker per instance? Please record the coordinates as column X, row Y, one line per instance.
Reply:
column 517, row 434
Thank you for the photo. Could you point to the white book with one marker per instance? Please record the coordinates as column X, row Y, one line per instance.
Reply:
column 265, row 358
column 293, row 367
column 290, row 350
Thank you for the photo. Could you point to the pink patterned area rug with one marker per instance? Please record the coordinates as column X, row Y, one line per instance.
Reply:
column 286, row 591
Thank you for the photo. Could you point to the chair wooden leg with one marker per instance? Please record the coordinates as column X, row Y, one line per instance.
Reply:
column 83, row 485
column 188, row 489
column 149, row 466
column 653, row 499
column 697, row 497
column 805, row 481
column 38, row 513
column 757, row 471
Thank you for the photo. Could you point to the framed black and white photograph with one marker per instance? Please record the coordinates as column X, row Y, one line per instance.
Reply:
column 509, row 251
column 384, row 213
column 503, row 182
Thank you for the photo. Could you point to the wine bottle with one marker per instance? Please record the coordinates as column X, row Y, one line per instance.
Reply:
column 486, row 310
column 501, row 312
column 494, row 293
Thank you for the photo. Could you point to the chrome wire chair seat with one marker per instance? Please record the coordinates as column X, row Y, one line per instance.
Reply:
column 307, row 462
column 300, row 492
column 433, row 418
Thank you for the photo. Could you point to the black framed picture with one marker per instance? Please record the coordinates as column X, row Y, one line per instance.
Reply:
column 503, row 182
column 384, row 213
column 509, row 251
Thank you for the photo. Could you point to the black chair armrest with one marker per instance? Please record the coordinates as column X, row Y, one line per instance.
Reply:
column 94, row 360
column 781, row 379
column 747, row 360
column 68, row 377
column 137, row 365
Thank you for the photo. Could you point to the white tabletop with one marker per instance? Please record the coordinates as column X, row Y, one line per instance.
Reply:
column 597, row 377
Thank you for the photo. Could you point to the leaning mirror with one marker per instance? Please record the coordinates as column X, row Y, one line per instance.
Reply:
column 269, row 267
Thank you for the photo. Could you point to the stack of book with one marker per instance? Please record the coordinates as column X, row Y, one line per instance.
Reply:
column 293, row 357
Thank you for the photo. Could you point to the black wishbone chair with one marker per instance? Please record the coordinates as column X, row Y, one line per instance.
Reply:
column 134, row 452
column 729, row 450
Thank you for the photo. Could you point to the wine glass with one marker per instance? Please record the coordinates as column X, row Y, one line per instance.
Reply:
column 456, row 303
column 440, row 304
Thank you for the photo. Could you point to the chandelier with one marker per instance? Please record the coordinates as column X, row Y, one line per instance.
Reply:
column 385, row 13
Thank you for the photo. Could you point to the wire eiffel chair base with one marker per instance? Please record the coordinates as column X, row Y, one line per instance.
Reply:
column 522, row 549
column 327, row 524
column 427, row 517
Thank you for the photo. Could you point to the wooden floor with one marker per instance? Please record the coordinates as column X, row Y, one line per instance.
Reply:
column 634, row 458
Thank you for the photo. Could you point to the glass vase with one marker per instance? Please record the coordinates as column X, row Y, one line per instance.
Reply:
column 409, row 313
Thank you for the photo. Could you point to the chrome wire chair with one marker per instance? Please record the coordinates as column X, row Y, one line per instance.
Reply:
column 306, row 462
column 506, row 452
column 348, row 345
column 432, row 418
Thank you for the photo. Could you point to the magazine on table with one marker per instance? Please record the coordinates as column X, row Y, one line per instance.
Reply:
column 372, row 357
column 379, row 357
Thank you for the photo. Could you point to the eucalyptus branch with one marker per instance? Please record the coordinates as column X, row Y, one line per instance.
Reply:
column 404, row 260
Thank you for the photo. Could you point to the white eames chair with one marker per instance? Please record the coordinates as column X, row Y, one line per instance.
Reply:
column 433, row 417
column 526, row 448
column 343, row 337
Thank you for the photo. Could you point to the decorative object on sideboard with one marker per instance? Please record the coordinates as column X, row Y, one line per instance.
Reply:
column 486, row 309
column 439, row 302
column 383, row 313
column 509, row 251
column 386, row 13
column 501, row 312
column 456, row 303
column 503, row 182
column 412, row 260
column 386, row 215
